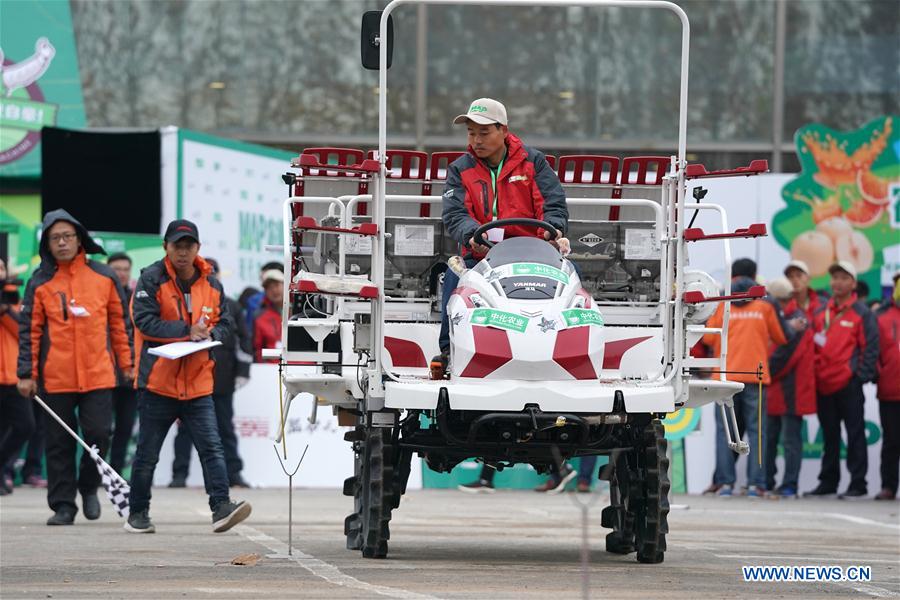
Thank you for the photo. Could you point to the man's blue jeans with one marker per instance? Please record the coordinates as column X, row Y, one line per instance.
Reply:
column 451, row 280
column 157, row 413
column 790, row 429
column 746, row 405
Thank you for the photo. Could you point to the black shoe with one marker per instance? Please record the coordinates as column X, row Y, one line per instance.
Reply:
column 854, row 494
column 64, row 516
column 238, row 481
column 228, row 514
column 821, row 491
column 140, row 522
column 90, row 506
column 5, row 490
column 178, row 481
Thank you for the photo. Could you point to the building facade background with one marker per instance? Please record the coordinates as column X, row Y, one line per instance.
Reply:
column 287, row 73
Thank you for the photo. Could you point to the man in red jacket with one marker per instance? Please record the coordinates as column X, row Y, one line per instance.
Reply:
column 791, row 395
column 267, row 324
column 498, row 178
column 846, row 342
column 889, row 393
column 806, row 298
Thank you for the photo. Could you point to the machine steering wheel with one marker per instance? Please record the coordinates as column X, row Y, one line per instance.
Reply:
column 478, row 236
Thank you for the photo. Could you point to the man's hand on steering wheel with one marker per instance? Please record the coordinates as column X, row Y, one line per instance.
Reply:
column 558, row 241
column 551, row 234
column 478, row 248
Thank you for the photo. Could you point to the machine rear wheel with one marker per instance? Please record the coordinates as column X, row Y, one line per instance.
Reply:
column 652, row 510
column 639, row 497
column 373, row 488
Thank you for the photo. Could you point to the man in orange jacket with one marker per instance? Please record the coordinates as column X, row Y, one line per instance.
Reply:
column 17, row 423
column 73, row 332
column 753, row 328
column 178, row 299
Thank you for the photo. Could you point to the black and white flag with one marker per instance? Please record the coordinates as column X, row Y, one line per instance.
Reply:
column 117, row 489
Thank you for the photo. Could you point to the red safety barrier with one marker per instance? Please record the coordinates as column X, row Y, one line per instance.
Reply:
column 577, row 163
column 412, row 163
column 639, row 166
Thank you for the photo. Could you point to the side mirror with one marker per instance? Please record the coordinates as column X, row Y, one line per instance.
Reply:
column 371, row 22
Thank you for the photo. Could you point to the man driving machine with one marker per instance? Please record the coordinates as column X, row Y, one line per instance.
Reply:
column 498, row 178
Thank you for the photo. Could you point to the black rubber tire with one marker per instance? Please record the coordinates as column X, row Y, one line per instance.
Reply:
column 618, row 516
column 652, row 508
column 372, row 488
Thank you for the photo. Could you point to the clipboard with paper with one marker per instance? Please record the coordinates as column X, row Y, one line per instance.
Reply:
column 182, row 349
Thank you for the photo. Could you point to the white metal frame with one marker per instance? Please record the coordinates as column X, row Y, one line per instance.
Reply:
column 675, row 176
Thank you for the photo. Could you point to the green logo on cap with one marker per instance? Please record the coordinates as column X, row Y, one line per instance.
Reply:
column 477, row 108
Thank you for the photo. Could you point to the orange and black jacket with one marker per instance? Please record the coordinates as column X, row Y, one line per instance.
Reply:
column 160, row 314
column 69, row 353
column 9, row 345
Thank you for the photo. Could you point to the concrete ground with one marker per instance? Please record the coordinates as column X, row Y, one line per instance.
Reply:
column 444, row 544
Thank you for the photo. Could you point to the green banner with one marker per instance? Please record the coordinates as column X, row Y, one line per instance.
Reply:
column 576, row 317
column 490, row 317
column 540, row 271
column 40, row 84
column 840, row 206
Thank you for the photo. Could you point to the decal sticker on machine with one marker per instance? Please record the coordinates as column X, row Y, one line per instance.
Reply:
column 641, row 244
column 576, row 317
column 414, row 240
column 590, row 240
column 540, row 271
column 358, row 244
column 547, row 325
column 489, row 317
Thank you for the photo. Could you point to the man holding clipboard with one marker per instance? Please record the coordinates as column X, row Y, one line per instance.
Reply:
column 177, row 299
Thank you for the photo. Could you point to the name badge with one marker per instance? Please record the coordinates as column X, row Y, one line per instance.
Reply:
column 819, row 339
column 78, row 311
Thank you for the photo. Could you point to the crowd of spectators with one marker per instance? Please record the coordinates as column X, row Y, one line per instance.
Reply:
column 811, row 350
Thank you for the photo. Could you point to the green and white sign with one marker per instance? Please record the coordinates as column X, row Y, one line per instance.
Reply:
column 894, row 195
column 39, row 81
column 234, row 193
column 579, row 316
column 539, row 270
column 490, row 317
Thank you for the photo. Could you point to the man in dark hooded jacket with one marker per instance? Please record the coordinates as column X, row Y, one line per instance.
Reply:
column 73, row 333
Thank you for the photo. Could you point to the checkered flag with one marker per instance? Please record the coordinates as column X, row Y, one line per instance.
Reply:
column 117, row 489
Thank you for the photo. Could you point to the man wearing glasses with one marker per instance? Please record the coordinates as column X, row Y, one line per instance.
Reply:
column 73, row 334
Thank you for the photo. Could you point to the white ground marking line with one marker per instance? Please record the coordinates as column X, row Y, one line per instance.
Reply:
column 871, row 590
column 322, row 569
column 843, row 517
column 862, row 520
column 811, row 559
